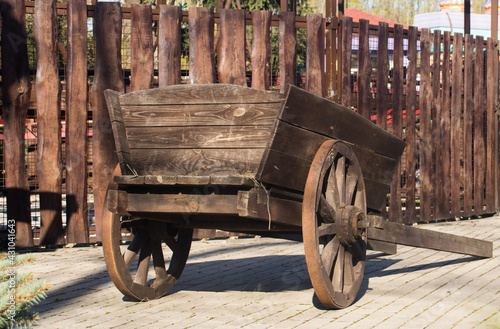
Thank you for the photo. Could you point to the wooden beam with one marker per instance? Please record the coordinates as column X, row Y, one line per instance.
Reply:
column 287, row 50
column 232, row 66
column 201, row 45
column 48, row 92
column 261, row 49
column 76, row 128
column 16, row 91
column 142, row 49
column 494, row 19
column 108, row 75
column 466, row 16
column 315, row 58
column 169, row 49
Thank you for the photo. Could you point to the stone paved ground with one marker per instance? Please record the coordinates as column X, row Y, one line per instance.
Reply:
column 263, row 283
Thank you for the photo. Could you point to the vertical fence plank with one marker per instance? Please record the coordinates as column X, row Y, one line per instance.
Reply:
column 261, row 49
column 468, row 120
column 437, row 179
column 231, row 67
column 48, row 92
column 479, row 135
column 287, row 40
column 456, row 128
column 411, row 147
column 395, row 211
column 16, row 90
column 315, row 58
column 382, row 74
column 491, row 117
column 346, row 60
column 108, row 75
column 169, row 46
column 77, row 227
column 445, row 124
column 364, row 69
column 142, row 49
column 425, row 148
column 332, row 90
column 201, row 45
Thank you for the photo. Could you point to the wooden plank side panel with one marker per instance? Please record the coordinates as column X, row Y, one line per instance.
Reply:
column 468, row 121
column 287, row 40
column 395, row 207
column 346, row 61
column 382, row 74
column 169, row 45
column 200, row 94
column 364, row 71
column 49, row 166
column 198, row 162
column 315, row 58
column 16, row 90
column 425, row 148
column 142, row 49
column 445, row 125
column 479, row 129
column 411, row 148
column 491, row 132
column 77, row 230
column 261, row 49
column 231, row 59
column 456, row 135
column 201, row 45
column 437, row 179
column 108, row 75
column 206, row 115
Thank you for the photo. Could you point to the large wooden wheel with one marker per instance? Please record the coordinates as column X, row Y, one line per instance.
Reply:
column 133, row 280
column 333, row 224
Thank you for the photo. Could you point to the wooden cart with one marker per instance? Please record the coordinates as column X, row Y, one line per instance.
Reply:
column 244, row 160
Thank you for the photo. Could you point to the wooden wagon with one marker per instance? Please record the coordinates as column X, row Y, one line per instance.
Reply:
column 244, row 160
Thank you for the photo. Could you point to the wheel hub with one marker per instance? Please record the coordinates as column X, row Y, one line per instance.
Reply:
column 350, row 222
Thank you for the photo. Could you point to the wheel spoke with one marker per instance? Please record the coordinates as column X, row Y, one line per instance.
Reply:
column 329, row 253
column 351, row 185
column 326, row 211
column 358, row 250
column 141, row 276
column 326, row 230
column 340, row 179
column 172, row 243
column 134, row 247
column 349, row 277
column 158, row 261
column 338, row 272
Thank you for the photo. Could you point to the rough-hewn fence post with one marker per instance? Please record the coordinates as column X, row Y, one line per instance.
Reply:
column 77, row 228
column 169, row 46
column 142, row 69
column 261, row 49
column 201, row 45
column 108, row 75
column 48, row 92
column 232, row 66
column 16, row 90
column 315, row 58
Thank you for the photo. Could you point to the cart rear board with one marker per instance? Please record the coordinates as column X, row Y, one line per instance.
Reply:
column 239, row 159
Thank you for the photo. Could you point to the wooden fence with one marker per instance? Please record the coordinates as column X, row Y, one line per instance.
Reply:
column 443, row 102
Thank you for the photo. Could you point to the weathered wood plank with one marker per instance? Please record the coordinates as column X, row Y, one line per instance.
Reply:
column 77, row 230
column 395, row 210
column 346, row 61
column 468, row 117
column 422, row 238
column 425, row 146
column 255, row 136
column 382, row 74
column 364, row 69
column 49, row 166
column 206, row 115
column 201, row 45
column 411, row 148
column 287, row 41
column 108, row 75
column 456, row 134
column 315, row 57
column 231, row 68
column 198, row 162
column 261, row 49
column 142, row 49
column 334, row 120
column 491, row 125
column 445, row 125
column 437, row 179
column 169, row 45
column 161, row 180
column 479, row 129
column 16, row 91
column 200, row 94
column 332, row 26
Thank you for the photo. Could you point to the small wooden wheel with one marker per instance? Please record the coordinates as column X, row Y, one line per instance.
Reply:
column 147, row 242
column 333, row 224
